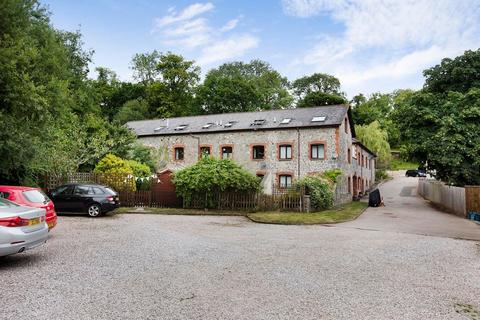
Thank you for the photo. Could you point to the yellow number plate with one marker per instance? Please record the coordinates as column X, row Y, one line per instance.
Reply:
column 33, row 222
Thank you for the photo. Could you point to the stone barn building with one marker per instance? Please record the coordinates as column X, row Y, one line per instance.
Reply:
column 279, row 146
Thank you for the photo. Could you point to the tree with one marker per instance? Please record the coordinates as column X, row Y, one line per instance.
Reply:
column 315, row 99
column 375, row 139
column 376, row 108
column 144, row 67
column 51, row 118
column 459, row 74
column 441, row 123
column 132, row 110
column 317, row 82
column 239, row 87
column 172, row 94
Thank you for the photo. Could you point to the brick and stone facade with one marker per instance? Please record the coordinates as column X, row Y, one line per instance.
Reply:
column 357, row 165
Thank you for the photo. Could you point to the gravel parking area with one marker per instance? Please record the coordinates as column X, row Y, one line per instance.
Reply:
column 187, row 267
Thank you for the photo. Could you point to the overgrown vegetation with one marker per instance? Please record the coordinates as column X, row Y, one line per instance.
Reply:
column 321, row 188
column 210, row 175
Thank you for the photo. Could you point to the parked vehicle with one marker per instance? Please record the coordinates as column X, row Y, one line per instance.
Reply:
column 21, row 228
column 31, row 197
column 422, row 173
column 411, row 173
column 92, row 199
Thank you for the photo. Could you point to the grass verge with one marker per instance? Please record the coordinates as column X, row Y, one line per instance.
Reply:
column 398, row 164
column 179, row 211
column 341, row 214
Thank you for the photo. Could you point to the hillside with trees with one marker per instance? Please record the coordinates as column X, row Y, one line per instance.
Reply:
column 54, row 118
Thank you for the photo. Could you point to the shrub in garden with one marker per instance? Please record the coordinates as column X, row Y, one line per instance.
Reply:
column 119, row 175
column 320, row 189
column 210, row 175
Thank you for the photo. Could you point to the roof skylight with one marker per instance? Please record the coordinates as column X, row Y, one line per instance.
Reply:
column 286, row 121
column 159, row 128
column 258, row 122
column 319, row 119
column 208, row 125
column 181, row 127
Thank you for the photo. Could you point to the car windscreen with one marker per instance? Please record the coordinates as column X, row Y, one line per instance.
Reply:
column 36, row 196
column 4, row 203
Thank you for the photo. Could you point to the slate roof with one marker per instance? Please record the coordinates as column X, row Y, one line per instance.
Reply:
column 356, row 141
column 300, row 118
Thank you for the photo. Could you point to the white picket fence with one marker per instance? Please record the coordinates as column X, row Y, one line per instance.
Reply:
column 449, row 198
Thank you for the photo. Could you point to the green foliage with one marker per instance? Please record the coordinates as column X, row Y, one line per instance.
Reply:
column 399, row 164
column 239, row 87
column 132, row 110
column 172, row 94
column 320, row 189
column 375, row 139
column 381, row 174
column 112, row 164
column 316, row 99
column 154, row 158
column 210, row 175
column 139, row 170
column 441, row 123
column 332, row 175
column 444, row 131
column 317, row 82
column 460, row 74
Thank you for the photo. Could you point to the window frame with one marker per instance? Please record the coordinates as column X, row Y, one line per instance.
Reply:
column 204, row 146
column 226, row 146
column 175, row 147
column 310, row 150
column 279, row 151
column 285, row 175
column 252, row 153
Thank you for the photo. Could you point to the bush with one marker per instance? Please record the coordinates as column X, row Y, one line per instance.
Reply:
column 320, row 189
column 119, row 175
column 210, row 175
column 142, row 174
column 381, row 174
column 332, row 175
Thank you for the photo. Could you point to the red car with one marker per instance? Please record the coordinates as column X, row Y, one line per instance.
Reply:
column 31, row 197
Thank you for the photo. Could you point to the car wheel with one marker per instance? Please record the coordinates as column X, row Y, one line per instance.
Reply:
column 94, row 210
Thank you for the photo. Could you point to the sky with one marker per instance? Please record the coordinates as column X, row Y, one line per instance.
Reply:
column 370, row 45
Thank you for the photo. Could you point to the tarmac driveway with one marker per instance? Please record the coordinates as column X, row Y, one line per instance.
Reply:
column 406, row 212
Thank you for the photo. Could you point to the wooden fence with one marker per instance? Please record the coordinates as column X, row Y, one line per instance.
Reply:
column 160, row 190
column 280, row 199
column 472, row 198
column 451, row 199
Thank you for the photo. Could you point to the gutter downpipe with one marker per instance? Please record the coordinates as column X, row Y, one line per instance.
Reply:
column 298, row 167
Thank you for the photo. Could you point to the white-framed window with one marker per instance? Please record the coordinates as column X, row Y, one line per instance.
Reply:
column 285, row 180
column 317, row 151
column 285, row 152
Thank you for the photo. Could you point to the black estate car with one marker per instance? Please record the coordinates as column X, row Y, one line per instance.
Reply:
column 416, row 173
column 93, row 199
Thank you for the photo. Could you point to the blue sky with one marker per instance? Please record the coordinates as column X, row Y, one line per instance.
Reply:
column 370, row 45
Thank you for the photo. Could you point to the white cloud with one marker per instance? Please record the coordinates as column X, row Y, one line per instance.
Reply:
column 189, row 12
column 233, row 47
column 230, row 25
column 189, row 29
column 387, row 40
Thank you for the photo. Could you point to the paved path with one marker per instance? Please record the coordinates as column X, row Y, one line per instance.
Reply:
column 406, row 212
